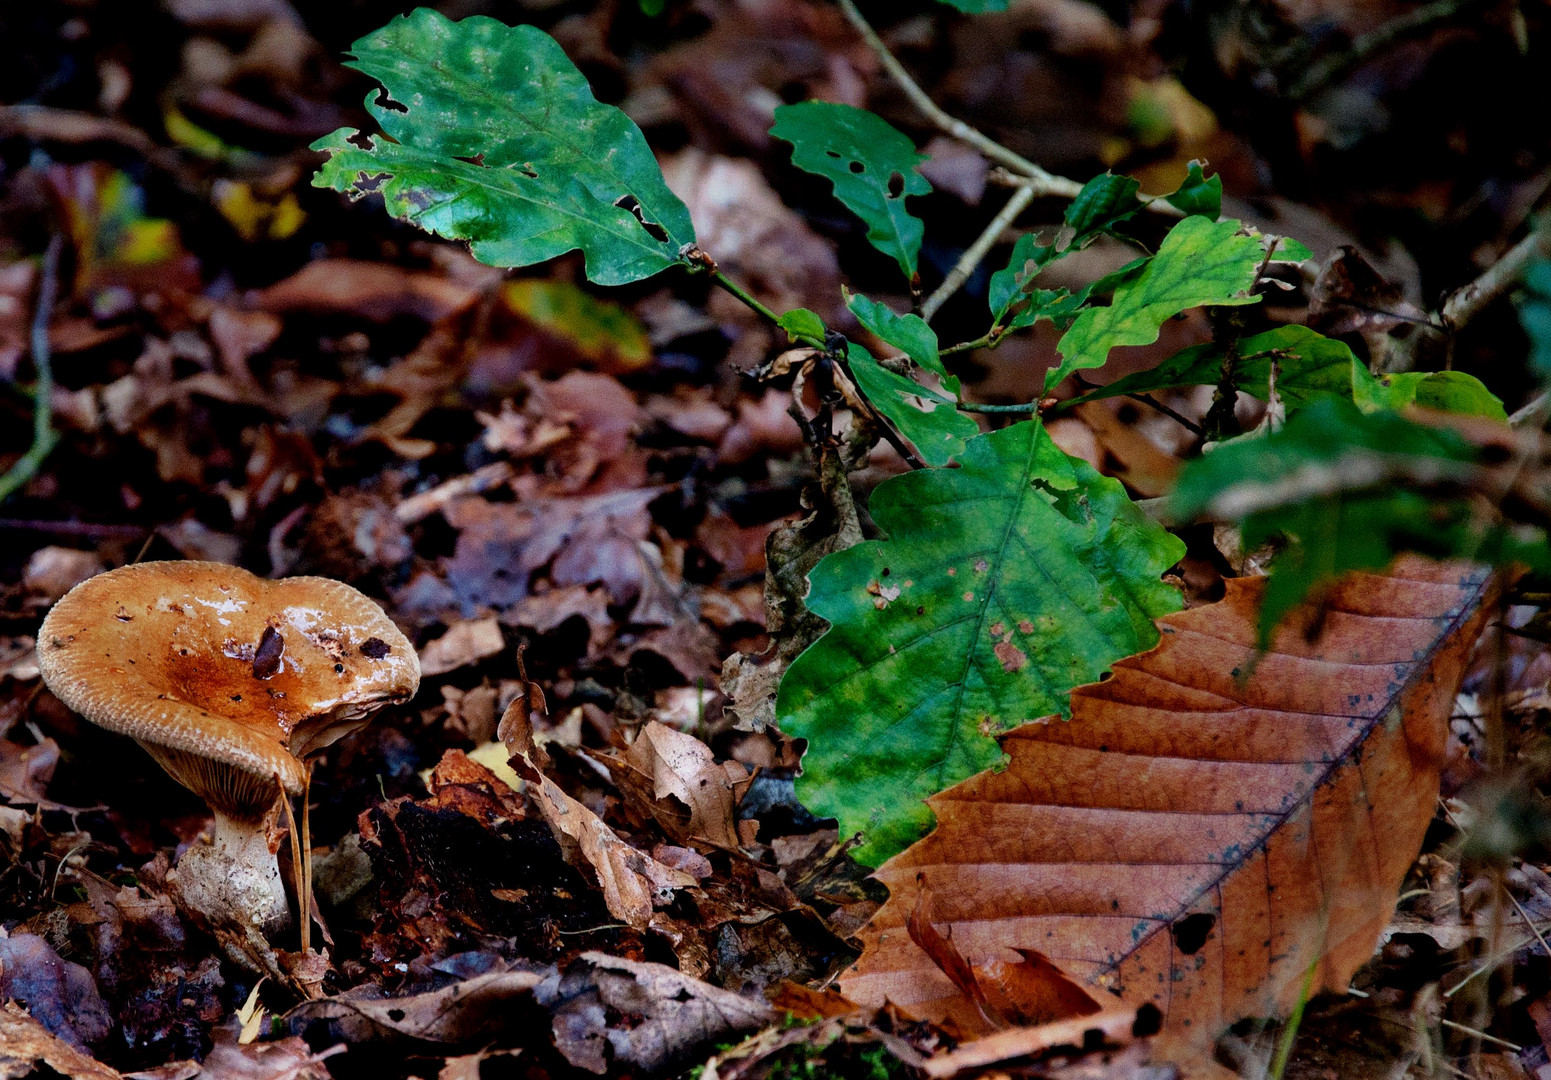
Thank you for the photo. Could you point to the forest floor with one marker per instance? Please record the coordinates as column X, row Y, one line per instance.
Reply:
column 545, row 481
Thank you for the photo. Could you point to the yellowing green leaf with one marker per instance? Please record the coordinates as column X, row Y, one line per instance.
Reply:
column 1001, row 585
column 597, row 329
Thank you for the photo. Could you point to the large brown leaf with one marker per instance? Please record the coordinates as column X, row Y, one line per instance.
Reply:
column 1208, row 825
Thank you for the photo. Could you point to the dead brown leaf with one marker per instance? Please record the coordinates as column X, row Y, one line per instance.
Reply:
column 1210, row 823
column 632, row 882
column 609, row 1011
column 368, row 290
column 675, row 779
column 26, row 1046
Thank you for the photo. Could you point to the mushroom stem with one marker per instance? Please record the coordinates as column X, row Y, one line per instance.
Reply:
column 235, row 879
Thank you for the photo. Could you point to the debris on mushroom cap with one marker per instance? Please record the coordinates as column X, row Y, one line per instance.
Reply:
column 227, row 678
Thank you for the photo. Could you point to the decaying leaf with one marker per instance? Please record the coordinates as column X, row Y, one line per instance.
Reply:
column 1210, row 823
column 465, row 1011
column 26, row 1047
column 632, row 881
column 676, row 779
column 666, row 1015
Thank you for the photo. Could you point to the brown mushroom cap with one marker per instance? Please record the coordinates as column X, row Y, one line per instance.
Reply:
column 227, row 678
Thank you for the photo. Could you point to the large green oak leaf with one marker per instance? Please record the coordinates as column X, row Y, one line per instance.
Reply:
column 1002, row 585
column 491, row 135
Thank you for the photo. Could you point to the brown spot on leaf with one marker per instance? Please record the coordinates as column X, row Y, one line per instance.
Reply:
column 1012, row 657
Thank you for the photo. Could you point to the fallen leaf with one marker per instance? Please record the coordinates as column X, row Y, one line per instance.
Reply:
column 1118, row 1026
column 612, row 1011
column 463, row 644
column 60, row 995
column 26, row 1046
column 674, row 778
column 283, row 1059
column 367, row 290
column 632, row 882
column 1211, row 822
column 467, row 1010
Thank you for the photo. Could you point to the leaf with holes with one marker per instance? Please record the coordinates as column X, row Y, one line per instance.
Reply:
column 500, row 142
column 1200, row 262
column 1209, row 825
column 872, row 165
column 1002, row 584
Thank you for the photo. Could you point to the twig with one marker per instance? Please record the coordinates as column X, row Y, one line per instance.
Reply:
column 1047, row 183
column 1477, row 1033
column 978, row 250
column 43, row 434
column 1466, row 303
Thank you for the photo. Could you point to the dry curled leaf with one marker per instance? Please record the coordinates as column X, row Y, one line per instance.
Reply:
column 1210, row 823
column 632, row 881
column 676, row 779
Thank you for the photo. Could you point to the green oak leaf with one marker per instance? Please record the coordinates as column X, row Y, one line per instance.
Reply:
column 1441, row 391
column 925, row 417
column 908, row 333
column 1348, row 490
column 1199, row 194
column 1200, row 262
column 491, row 135
column 800, row 322
column 1307, row 364
column 872, row 165
column 1001, row 586
column 1104, row 202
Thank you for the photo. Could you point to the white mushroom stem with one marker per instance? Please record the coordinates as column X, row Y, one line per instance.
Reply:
column 235, row 879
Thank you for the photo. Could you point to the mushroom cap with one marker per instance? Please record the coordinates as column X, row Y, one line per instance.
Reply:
column 227, row 678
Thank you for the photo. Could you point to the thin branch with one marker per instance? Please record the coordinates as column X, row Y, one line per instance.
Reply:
column 984, row 341
column 1046, row 183
column 43, row 434
column 978, row 250
column 1466, row 303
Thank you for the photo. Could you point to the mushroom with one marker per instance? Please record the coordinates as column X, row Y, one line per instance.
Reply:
column 231, row 682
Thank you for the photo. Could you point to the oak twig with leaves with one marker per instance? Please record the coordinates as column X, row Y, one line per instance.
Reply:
column 1006, row 573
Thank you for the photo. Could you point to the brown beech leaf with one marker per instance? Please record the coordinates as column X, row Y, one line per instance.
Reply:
column 676, row 779
column 1210, row 823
